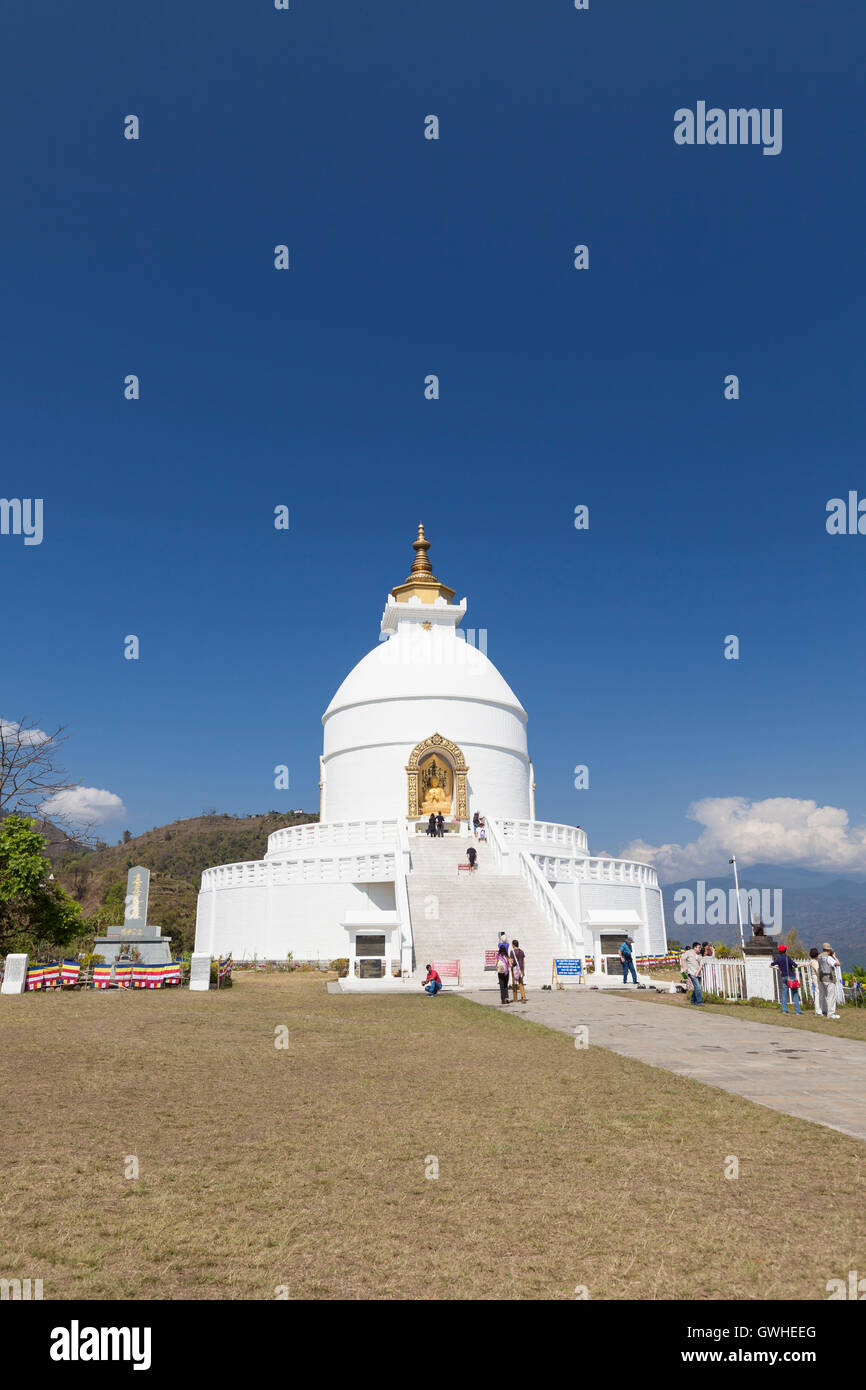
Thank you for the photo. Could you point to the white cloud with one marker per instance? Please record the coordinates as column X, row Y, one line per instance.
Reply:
column 11, row 730
column 84, row 806
column 778, row 830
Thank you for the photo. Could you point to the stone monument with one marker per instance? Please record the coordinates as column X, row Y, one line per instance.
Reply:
column 199, row 971
column 758, row 954
column 152, row 946
column 15, row 975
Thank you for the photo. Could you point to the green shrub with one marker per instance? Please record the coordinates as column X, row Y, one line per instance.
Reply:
column 341, row 965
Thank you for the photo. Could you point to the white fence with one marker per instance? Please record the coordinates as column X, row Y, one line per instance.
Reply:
column 724, row 977
column 337, row 868
column 728, row 978
column 342, row 832
column 536, row 832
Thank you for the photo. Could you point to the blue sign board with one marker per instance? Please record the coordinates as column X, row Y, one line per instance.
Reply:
column 568, row 967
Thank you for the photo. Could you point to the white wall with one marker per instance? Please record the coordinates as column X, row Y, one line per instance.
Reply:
column 367, row 747
column 268, row 922
column 579, row 898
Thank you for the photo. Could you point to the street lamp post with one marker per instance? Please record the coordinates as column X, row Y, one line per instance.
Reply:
column 733, row 861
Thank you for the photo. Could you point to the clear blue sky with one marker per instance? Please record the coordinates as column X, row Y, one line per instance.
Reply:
column 558, row 387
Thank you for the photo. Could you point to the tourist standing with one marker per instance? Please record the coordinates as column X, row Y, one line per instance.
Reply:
column 789, row 983
column 813, row 967
column 827, row 964
column 627, row 958
column 433, row 983
column 840, row 984
column 440, row 825
column 503, row 969
column 475, row 824
column 431, row 824
column 472, row 855
column 518, row 970
column 691, row 963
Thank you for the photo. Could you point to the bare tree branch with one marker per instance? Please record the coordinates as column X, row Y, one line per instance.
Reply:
column 29, row 770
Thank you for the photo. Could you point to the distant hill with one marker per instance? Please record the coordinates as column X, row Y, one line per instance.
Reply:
column 821, row 906
column 176, row 855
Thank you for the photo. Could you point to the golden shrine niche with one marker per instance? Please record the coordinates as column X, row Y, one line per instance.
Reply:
column 437, row 774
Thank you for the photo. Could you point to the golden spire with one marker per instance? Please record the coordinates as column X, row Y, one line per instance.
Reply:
column 421, row 581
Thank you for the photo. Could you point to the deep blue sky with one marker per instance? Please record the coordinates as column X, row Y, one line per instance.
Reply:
column 306, row 388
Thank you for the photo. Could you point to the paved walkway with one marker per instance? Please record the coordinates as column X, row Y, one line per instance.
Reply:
column 805, row 1074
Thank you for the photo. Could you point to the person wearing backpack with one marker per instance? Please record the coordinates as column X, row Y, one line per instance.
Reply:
column 827, row 964
column 518, row 970
column 789, row 982
column 627, row 958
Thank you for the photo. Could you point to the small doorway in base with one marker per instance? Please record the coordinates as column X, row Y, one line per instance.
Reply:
column 610, row 944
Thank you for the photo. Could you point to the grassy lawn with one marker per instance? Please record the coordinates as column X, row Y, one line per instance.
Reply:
column 851, row 1023
column 305, row 1167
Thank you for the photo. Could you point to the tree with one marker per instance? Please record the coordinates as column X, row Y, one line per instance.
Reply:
column 795, row 945
column 115, row 898
column 127, row 836
column 29, row 771
column 32, row 907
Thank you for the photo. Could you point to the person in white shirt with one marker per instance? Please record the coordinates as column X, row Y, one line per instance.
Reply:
column 828, row 966
column 692, row 962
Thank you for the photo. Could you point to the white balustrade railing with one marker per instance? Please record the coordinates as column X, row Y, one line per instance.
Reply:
column 545, row 832
column 401, row 896
column 550, row 905
column 558, row 868
column 494, row 840
column 335, row 868
column 343, row 832
column 616, row 871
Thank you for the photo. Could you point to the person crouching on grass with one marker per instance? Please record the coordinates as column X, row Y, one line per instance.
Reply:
column 433, row 983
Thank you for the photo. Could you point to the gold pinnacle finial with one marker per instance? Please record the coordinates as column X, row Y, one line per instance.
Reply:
column 421, row 582
column 421, row 563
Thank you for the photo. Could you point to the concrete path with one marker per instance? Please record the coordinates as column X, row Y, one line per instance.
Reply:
column 817, row 1078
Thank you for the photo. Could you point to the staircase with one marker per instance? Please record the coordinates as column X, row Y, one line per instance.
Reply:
column 458, row 916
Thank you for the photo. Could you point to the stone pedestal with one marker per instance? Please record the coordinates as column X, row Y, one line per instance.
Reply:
column 757, row 955
column 15, row 975
column 153, row 950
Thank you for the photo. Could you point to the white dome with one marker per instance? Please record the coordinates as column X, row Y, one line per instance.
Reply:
column 424, row 680
column 417, row 664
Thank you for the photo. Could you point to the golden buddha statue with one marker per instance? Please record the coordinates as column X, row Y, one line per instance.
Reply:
column 436, row 799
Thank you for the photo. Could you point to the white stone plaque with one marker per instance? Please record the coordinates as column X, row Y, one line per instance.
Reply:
column 15, row 976
column 199, row 971
column 759, row 978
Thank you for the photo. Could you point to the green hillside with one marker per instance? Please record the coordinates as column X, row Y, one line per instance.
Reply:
column 176, row 854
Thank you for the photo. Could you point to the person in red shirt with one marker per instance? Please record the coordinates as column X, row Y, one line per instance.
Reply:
column 433, row 983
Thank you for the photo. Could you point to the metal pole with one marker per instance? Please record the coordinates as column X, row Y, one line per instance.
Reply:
column 739, row 910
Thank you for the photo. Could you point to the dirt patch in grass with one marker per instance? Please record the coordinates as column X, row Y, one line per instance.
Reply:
column 305, row 1166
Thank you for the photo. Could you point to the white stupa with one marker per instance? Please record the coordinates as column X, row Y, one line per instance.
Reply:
column 425, row 724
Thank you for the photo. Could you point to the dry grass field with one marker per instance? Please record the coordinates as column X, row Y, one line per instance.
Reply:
column 305, row 1166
